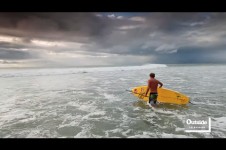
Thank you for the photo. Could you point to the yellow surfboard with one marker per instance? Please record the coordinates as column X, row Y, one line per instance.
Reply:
column 164, row 95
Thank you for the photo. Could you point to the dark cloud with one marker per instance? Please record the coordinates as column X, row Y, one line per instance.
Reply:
column 14, row 55
column 10, row 45
column 169, row 37
column 193, row 55
column 51, row 26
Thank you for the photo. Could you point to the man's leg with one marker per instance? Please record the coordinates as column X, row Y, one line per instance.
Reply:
column 153, row 99
column 150, row 99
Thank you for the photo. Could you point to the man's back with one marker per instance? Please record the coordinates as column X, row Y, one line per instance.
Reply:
column 153, row 85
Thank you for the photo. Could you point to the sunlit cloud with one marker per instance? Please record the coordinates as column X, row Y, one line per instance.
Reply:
column 47, row 43
column 10, row 39
column 139, row 19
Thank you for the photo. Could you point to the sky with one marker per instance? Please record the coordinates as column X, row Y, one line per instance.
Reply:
column 71, row 39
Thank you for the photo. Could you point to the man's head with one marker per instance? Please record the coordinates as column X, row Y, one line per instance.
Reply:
column 152, row 75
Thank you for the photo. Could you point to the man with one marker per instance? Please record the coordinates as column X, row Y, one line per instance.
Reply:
column 152, row 86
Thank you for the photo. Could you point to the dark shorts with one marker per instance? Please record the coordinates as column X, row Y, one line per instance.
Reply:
column 153, row 98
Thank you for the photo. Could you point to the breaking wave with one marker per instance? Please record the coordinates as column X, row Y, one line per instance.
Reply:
column 66, row 71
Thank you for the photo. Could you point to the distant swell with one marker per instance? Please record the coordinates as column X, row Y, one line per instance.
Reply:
column 67, row 71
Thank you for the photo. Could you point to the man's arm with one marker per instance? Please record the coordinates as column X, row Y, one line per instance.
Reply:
column 160, row 84
column 147, row 89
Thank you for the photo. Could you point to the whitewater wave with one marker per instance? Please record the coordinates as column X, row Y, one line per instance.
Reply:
column 68, row 71
column 121, row 68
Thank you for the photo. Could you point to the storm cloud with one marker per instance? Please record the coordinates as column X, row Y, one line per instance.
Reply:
column 74, row 39
column 14, row 54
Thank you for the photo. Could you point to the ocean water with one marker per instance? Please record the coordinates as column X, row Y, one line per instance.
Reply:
column 94, row 103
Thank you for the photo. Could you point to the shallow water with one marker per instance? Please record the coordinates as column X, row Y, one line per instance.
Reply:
column 94, row 103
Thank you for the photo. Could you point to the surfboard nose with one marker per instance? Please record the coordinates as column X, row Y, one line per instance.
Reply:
column 134, row 90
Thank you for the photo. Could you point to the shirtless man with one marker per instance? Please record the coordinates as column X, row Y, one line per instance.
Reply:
column 152, row 86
